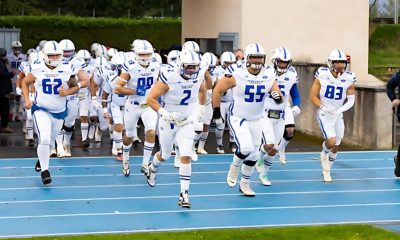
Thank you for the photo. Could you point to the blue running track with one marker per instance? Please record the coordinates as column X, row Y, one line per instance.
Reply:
column 89, row 195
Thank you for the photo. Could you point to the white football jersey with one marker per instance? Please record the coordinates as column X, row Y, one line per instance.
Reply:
column 285, row 83
column 333, row 90
column 182, row 93
column 250, row 91
column 76, row 65
column 47, row 85
column 227, row 96
column 100, row 72
column 15, row 61
column 141, row 77
column 214, row 75
column 110, row 81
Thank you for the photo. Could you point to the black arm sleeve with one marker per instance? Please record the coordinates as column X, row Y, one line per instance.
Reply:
column 391, row 86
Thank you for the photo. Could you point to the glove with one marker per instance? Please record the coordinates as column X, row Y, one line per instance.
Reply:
column 96, row 104
column 326, row 110
column 217, row 116
column 18, row 91
column 277, row 98
column 106, row 114
column 141, row 90
column 296, row 111
column 165, row 115
column 200, row 114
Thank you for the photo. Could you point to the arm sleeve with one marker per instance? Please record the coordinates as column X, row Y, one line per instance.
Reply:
column 350, row 103
column 391, row 85
column 295, row 95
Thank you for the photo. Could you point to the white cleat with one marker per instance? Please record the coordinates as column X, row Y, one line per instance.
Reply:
column 244, row 187
column 125, row 167
column 194, row 155
column 145, row 169
column 220, row 150
column 282, row 157
column 136, row 140
column 264, row 179
column 97, row 135
column 184, row 200
column 233, row 173
column 327, row 176
column 201, row 151
column 151, row 177
column 177, row 161
column 60, row 151
column 325, row 161
column 260, row 166
column 67, row 150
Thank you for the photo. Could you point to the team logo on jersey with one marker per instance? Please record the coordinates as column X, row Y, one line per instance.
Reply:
column 152, row 70
column 195, row 81
column 343, row 80
column 265, row 77
column 286, row 79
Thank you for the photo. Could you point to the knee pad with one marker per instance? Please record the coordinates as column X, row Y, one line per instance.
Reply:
column 250, row 163
column 285, row 133
column 68, row 129
column 241, row 155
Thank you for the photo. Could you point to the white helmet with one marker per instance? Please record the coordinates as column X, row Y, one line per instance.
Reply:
column 41, row 45
column 101, row 51
column 172, row 56
column 143, row 47
column 227, row 58
column 30, row 51
column 16, row 47
column 68, row 48
column 33, row 56
column 158, row 58
column 192, row 45
column 52, row 48
column 16, row 44
column 281, row 54
column 117, row 61
column 130, row 56
column 133, row 44
column 189, row 64
column 337, row 56
column 100, row 62
column 84, row 54
column 93, row 49
column 111, row 52
column 254, row 50
column 210, row 60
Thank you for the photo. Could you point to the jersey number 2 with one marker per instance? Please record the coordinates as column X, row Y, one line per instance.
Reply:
column 188, row 93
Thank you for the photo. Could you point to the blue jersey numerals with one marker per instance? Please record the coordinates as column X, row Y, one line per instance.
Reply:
column 253, row 92
column 333, row 92
column 185, row 100
column 145, row 82
column 51, row 86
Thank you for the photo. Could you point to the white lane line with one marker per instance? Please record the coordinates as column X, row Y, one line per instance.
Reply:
column 378, row 221
column 200, row 156
column 193, row 163
column 209, row 210
column 318, row 180
column 205, row 172
column 199, row 196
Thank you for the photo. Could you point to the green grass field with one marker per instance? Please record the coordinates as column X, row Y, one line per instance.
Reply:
column 330, row 232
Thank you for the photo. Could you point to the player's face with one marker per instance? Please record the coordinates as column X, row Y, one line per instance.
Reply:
column 68, row 54
column 282, row 64
column 239, row 55
column 256, row 59
column 16, row 50
column 227, row 64
column 55, row 57
column 339, row 66
column 191, row 69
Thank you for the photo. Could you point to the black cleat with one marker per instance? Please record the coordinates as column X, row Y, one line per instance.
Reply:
column 85, row 144
column 38, row 168
column 31, row 143
column 397, row 167
column 184, row 200
column 46, row 179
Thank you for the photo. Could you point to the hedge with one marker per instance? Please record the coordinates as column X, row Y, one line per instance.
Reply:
column 118, row 33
